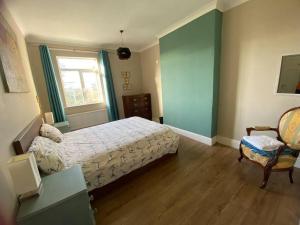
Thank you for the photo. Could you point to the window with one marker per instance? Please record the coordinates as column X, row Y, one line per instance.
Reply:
column 80, row 80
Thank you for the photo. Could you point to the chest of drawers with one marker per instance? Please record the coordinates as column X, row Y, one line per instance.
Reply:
column 137, row 105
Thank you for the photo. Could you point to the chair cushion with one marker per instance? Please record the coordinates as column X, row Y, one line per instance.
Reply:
column 262, row 142
column 286, row 160
column 289, row 127
column 265, row 153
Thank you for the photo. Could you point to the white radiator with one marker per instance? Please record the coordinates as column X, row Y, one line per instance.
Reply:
column 87, row 119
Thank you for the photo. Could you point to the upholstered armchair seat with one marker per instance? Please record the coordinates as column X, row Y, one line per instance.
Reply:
column 285, row 161
column 283, row 158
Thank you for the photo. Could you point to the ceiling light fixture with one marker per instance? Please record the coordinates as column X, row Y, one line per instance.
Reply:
column 123, row 52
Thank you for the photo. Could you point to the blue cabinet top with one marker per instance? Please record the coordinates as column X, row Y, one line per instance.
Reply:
column 56, row 188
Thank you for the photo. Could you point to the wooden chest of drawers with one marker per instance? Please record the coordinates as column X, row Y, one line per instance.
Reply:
column 137, row 105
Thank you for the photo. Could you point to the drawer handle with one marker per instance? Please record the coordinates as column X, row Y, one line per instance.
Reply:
column 145, row 98
column 134, row 99
column 136, row 111
column 92, row 198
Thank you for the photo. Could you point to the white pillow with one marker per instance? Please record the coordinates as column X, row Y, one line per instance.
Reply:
column 51, row 132
column 47, row 154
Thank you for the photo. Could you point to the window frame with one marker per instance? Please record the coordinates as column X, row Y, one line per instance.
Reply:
column 84, row 107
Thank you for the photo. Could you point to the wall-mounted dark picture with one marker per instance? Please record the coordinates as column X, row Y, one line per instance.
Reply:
column 11, row 66
column 289, row 79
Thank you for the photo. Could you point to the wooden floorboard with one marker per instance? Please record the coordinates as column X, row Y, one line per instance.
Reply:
column 202, row 185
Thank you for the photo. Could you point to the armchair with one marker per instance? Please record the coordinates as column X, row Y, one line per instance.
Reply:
column 284, row 158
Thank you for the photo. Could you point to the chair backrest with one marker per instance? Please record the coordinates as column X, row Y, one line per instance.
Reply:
column 289, row 126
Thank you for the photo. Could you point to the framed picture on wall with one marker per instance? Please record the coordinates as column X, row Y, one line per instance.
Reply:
column 126, row 78
column 11, row 66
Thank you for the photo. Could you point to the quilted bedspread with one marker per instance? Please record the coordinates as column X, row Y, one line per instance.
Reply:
column 109, row 151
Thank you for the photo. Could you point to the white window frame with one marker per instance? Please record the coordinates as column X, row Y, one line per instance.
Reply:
column 92, row 106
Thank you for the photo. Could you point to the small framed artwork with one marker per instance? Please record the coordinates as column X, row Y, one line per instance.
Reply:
column 126, row 77
column 11, row 66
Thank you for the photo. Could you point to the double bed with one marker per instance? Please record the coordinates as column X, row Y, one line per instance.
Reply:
column 109, row 151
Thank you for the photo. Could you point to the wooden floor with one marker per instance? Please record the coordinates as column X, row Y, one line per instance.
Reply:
column 202, row 185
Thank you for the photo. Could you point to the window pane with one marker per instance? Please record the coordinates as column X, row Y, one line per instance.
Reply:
column 72, row 88
column 77, row 63
column 92, row 91
column 81, row 80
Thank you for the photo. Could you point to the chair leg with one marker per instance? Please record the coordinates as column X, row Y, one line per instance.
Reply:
column 291, row 175
column 241, row 153
column 267, row 173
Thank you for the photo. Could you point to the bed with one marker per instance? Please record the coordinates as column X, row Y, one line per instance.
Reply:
column 109, row 151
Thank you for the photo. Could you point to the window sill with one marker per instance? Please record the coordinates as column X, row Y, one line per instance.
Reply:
column 92, row 111
column 84, row 108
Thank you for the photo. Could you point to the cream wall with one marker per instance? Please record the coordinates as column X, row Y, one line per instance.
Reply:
column 150, row 63
column 132, row 65
column 37, row 72
column 16, row 111
column 255, row 36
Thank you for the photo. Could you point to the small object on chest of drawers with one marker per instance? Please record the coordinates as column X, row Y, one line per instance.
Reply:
column 137, row 105
column 161, row 120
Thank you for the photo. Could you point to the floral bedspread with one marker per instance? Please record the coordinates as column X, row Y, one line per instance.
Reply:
column 109, row 151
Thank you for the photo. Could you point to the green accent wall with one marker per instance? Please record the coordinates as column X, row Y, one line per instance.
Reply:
column 190, row 68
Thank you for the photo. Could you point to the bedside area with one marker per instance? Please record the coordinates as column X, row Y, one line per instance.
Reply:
column 63, row 126
column 63, row 200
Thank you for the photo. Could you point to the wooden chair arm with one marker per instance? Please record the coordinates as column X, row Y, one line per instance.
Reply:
column 260, row 128
column 273, row 161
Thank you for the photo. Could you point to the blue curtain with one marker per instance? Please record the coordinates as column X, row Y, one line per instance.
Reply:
column 52, row 87
column 111, row 102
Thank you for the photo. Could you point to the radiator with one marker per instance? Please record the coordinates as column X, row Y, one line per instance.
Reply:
column 87, row 119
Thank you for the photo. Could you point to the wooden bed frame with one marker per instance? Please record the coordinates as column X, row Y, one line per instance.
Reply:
column 24, row 139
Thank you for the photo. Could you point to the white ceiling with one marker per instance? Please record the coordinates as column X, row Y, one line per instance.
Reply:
column 96, row 23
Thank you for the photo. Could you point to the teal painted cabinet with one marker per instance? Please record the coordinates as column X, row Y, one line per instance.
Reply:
column 63, row 200
column 190, row 61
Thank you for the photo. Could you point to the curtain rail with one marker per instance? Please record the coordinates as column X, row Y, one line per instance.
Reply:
column 72, row 49
column 79, row 50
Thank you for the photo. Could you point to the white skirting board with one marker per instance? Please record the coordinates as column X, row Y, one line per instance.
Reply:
column 228, row 142
column 194, row 136
column 211, row 141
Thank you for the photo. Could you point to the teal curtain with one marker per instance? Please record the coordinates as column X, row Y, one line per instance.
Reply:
column 111, row 102
column 52, row 87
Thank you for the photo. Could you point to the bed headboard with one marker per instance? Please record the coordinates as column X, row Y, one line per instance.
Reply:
column 25, row 138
